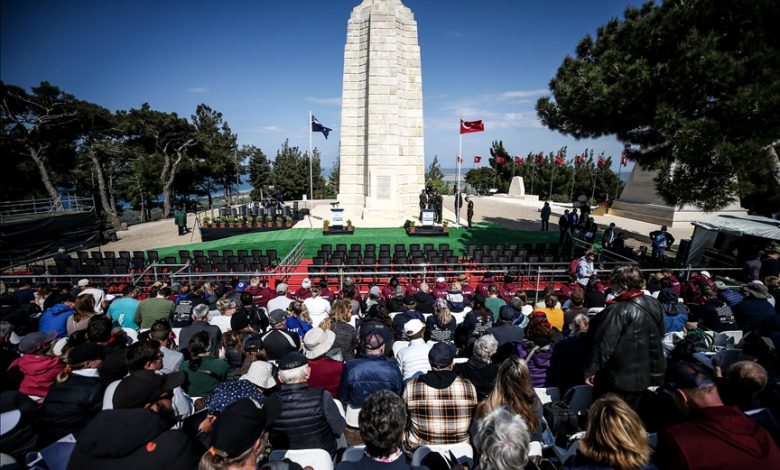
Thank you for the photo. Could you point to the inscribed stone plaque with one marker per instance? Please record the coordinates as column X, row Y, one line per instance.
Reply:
column 383, row 189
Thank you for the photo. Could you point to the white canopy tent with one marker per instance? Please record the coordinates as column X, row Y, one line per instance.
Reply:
column 707, row 231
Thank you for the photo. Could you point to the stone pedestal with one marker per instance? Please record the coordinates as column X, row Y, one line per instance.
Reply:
column 517, row 187
column 382, row 148
column 640, row 201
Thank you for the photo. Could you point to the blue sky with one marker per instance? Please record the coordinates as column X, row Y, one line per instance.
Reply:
column 266, row 64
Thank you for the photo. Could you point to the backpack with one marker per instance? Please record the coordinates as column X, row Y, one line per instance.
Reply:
column 561, row 420
column 573, row 265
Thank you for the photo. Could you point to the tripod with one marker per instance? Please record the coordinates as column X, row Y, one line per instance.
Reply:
column 196, row 224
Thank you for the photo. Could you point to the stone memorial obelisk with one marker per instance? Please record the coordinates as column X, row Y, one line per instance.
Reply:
column 382, row 163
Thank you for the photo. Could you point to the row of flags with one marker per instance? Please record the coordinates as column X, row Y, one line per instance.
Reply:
column 467, row 127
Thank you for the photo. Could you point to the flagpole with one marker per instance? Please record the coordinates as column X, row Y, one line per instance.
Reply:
column 311, row 176
column 573, row 172
column 620, row 170
column 552, row 177
column 459, row 161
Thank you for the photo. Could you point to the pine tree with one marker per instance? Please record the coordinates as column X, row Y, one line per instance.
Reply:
column 259, row 171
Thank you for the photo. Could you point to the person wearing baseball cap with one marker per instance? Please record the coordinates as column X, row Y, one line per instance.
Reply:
column 409, row 313
column 370, row 372
column 715, row 435
column 413, row 359
column 304, row 292
column 278, row 341
column 137, row 433
column 36, row 368
column 240, row 434
column 439, row 389
column 281, row 301
column 309, row 418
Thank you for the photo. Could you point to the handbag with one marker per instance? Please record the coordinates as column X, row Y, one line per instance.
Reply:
column 561, row 420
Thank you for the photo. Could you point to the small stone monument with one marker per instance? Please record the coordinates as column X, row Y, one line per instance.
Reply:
column 517, row 187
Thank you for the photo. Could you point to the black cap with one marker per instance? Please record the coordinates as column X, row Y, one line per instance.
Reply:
column 478, row 299
column 688, row 375
column 507, row 313
column 441, row 355
column 253, row 343
column 145, row 386
column 240, row 424
column 86, row 352
column 373, row 341
column 292, row 360
column 409, row 300
column 277, row 316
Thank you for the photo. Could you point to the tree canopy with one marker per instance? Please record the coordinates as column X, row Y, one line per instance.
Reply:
column 691, row 87
column 144, row 158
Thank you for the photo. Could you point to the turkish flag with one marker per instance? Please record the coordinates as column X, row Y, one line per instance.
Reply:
column 518, row 160
column 538, row 159
column 467, row 127
column 459, row 160
column 623, row 160
column 580, row 159
column 602, row 161
column 477, row 159
column 500, row 160
column 559, row 160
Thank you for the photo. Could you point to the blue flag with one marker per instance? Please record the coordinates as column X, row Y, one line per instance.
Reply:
column 317, row 127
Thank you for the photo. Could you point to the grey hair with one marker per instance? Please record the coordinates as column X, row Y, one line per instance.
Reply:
column 484, row 347
column 6, row 329
column 502, row 440
column 200, row 311
column 516, row 303
column 293, row 376
column 579, row 324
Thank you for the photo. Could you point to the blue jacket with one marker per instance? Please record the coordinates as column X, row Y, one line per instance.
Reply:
column 366, row 375
column 731, row 297
column 675, row 317
column 56, row 319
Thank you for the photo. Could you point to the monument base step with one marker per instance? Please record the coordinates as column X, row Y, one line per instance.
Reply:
column 666, row 215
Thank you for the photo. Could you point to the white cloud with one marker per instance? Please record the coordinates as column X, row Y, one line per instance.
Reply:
column 509, row 95
column 335, row 101
column 454, row 34
column 198, row 89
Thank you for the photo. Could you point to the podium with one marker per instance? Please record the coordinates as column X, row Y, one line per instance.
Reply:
column 428, row 215
column 336, row 217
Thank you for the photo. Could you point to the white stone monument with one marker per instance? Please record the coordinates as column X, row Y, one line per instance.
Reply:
column 381, row 155
column 640, row 201
column 517, row 187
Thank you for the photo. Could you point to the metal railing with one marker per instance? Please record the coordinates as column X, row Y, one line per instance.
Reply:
column 18, row 210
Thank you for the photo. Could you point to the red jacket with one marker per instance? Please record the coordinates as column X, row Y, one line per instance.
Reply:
column 467, row 290
column 440, row 290
column 719, row 437
column 302, row 294
column 326, row 374
column 39, row 373
column 507, row 291
column 260, row 295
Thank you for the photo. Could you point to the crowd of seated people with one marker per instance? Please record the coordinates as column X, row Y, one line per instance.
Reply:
column 195, row 375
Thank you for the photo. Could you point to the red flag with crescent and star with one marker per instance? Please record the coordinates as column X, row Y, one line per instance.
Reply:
column 518, row 160
column 467, row 127
column 477, row 159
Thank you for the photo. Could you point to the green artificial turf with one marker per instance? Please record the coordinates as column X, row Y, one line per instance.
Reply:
column 284, row 240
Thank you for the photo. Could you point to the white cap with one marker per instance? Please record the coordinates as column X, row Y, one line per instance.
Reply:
column 413, row 326
column 706, row 273
column 109, row 297
column 440, row 279
column 306, row 283
column 83, row 282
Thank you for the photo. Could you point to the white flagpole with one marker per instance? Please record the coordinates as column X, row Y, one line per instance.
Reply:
column 459, row 161
column 311, row 177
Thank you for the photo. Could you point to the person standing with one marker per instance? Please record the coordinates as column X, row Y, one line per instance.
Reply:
column 661, row 240
column 458, row 205
column 546, row 211
column 423, row 202
column 609, row 236
column 563, row 226
column 627, row 354
column 181, row 220
column 469, row 210
column 438, row 205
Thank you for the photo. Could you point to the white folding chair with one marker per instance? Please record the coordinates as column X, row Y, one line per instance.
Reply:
column 462, row 449
column 460, row 360
column 341, row 408
column 353, row 454
column 546, row 395
column 352, row 416
column 131, row 333
column 724, row 338
column 318, row 459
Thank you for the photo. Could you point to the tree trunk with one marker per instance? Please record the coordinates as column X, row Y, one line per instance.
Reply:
column 107, row 207
column 168, row 174
column 35, row 154
column 775, row 164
